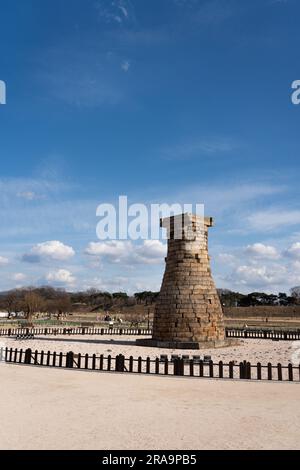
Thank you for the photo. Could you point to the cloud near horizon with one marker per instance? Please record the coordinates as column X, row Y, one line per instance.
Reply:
column 3, row 261
column 54, row 250
column 61, row 277
column 125, row 252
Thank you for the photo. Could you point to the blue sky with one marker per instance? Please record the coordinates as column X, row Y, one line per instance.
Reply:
column 183, row 101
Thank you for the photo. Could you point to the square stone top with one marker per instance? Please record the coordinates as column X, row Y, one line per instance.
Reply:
column 185, row 220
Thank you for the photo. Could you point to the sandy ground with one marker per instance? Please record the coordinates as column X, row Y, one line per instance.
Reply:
column 253, row 350
column 44, row 408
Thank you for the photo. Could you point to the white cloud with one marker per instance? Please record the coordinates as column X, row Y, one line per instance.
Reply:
column 3, row 261
column 61, row 276
column 259, row 250
column 226, row 258
column 117, row 251
column 259, row 276
column 112, row 249
column 19, row 277
column 293, row 251
column 152, row 251
column 267, row 220
column 125, row 65
column 117, row 283
column 54, row 249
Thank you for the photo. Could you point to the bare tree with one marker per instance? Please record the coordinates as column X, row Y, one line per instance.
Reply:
column 63, row 305
column 59, row 305
column 295, row 293
column 10, row 302
column 33, row 303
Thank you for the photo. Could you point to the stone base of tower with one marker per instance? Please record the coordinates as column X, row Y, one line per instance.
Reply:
column 154, row 343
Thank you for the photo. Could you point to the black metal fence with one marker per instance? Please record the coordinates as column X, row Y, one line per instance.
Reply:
column 276, row 335
column 177, row 367
column 74, row 331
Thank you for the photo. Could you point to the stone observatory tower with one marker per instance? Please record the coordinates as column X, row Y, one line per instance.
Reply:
column 188, row 313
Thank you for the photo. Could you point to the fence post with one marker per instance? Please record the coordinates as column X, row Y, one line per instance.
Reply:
column 175, row 366
column 201, row 368
column 211, row 368
column 20, row 356
column 166, row 369
column 249, row 370
column 79, row 361
column 231, row 369
column 178, row 366
column 94, row 362
column 258, row 371
column 139, row 364
column 221, row 369
column 279, row 371
column 86, row 361
column 48, row 358
column 28, row 353
column 70, row 360
column 36, row 357
column 192, row 367
column 157, row 365
column 120, row 363
column 242, row 370
column 269, row 371
column 148, row 365
column 290, row 370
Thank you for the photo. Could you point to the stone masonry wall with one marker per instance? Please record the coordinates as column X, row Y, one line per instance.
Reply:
column 188, row 307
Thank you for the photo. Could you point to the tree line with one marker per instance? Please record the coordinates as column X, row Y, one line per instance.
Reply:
column 229, row 298
column 56, row 303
